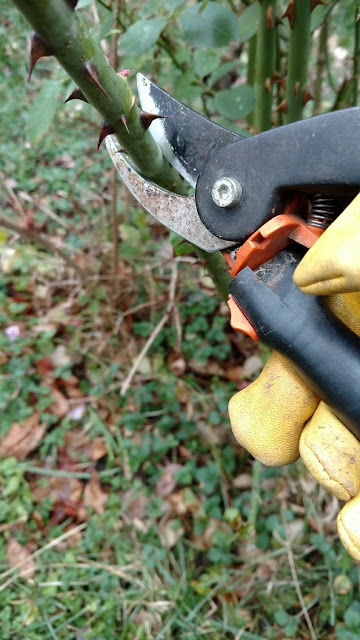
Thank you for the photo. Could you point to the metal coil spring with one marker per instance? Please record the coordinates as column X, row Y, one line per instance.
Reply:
column 324, row 211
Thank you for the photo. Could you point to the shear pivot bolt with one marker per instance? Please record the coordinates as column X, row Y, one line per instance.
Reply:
column 226, row 192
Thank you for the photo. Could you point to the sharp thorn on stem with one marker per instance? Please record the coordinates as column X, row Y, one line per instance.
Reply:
column 39, row 48
column 147, row 118
column 106, row 130
column 282, row 107
column 290, row 13
column 306, row 97
column 123, row 120
column 314, row 3
column 92, row 74
column 76, row 94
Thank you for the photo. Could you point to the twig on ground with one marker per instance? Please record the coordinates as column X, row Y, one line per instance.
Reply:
column 126, row 384
column 43, row 240
column 51, row 214
column 15, row 200
column 38, row 552
column 255, row 499
column 297, row 584
column 114, row 176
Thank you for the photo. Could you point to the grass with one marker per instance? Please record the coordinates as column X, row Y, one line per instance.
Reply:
column 138, row 517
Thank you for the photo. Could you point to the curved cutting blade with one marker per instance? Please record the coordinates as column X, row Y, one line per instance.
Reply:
column 187, row 139
column 178, row 213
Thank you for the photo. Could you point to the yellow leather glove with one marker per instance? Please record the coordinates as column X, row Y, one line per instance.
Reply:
column 278, row 417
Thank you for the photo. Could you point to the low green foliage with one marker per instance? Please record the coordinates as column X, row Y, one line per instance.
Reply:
column 161, row 547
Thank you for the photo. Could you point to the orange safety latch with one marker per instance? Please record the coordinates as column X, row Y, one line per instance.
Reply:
column 271, row 238
column 262, row 245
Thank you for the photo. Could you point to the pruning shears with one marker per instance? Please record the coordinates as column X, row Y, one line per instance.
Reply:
column 263, row 201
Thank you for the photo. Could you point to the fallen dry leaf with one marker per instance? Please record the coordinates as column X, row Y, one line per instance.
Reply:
column 45, row 365
column 15, row 553
column 234, row 374
column 184, row 501
column 135, row 507
column 71, row 386
column 59, row 489
column 266, row 570
column 252, row 365
column 60, row 405
column 208, row 368
column 169, row 533
column 242, row 481
column 65, row 160
column 184, row 453
column 166, row 483
column 61, row 356
column 79, row 445
column 22, row 438
column 205, row 540
column 94, row 496
column 177, row 363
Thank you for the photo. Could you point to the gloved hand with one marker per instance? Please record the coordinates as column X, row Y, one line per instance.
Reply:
column 278, row 417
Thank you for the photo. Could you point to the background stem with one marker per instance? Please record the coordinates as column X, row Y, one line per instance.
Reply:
column 264, row 65
column 114, row 177
column 299, row 43
column 61, row 27
column 320, row 67
column 356, row 57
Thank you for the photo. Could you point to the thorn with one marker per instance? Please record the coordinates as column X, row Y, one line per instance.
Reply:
column 124, row 73
column 76, row 94
column 92, row 74
column 314, row 3
column 39, row 48
column 306, row 97
column 123, row 120
column 72, row 3
column 290, row 13
column 106, row 130
column 296, row 88
column 133, row 100
column 267, row 85
column 269, row 18
column 277, row 78
column 282, row 107
column 147, row 118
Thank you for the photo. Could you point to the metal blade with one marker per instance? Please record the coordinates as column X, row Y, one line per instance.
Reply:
column 187, row 139
column 178, row 213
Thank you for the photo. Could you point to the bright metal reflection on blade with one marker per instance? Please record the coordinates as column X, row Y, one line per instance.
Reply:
column 178, row 213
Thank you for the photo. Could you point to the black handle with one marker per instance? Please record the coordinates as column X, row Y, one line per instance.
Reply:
column 315, row 155
column 301, row 327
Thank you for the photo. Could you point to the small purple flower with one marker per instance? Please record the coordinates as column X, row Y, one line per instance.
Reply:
column 12, row 331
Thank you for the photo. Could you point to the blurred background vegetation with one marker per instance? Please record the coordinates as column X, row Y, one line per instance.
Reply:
column 125, row 499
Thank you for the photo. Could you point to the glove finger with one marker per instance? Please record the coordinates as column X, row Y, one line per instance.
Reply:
column 347, row 307
column 348, row 524
column 268, row 416
column 332, row 265
column 331, row 453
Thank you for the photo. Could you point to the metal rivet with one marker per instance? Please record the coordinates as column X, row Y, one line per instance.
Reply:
column 226, row 192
